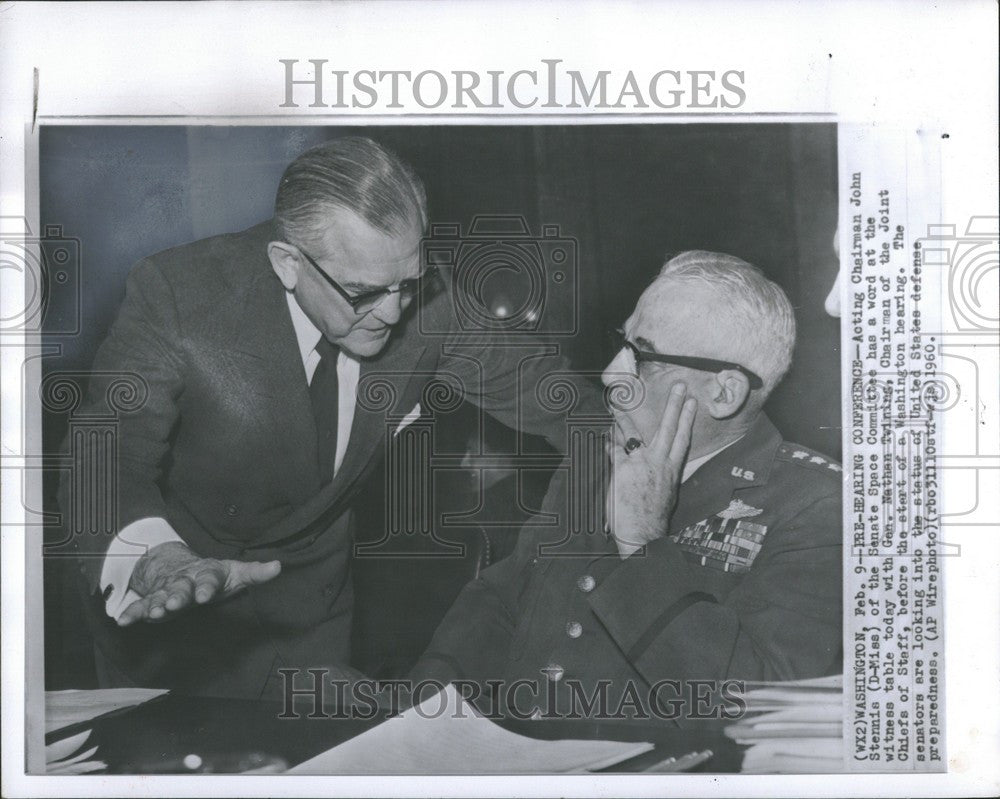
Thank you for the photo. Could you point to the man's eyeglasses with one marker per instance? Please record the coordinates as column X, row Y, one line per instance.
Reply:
column 621, row 342
column 407, row 290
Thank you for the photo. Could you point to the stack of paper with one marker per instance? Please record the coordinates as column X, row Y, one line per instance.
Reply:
column 793, row 727
column 446, row 735
column 72, row 756
column 63, row 708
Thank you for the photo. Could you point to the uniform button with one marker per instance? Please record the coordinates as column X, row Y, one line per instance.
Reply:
column 554, row 672
column 534, row 561
column 536, row 714
column 574, row 629
column 232, row 510
column 586, row 583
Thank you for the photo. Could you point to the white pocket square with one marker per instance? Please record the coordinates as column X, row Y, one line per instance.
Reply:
column 410, row 418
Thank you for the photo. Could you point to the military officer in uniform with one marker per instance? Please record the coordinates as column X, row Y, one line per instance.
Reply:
column 722, row 553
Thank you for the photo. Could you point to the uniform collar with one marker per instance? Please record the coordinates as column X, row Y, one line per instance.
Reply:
column 747, row 461
column 746, row 464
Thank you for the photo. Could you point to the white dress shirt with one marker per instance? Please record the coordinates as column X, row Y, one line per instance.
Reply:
column 135, row 539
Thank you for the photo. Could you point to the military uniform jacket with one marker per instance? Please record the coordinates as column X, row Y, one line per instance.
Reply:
column 746, row 585
column 223, row 446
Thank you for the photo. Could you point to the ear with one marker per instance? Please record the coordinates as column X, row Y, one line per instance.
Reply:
column 285, row 262
column 729, row 392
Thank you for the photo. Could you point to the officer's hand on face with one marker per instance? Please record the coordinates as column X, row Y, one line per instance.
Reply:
column 643, row 490
column 170, row 578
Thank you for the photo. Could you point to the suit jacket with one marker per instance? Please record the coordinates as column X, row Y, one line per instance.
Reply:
column 224, row 447
column 746, row 585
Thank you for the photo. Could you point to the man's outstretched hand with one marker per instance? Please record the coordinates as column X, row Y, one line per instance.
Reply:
column 170, row 577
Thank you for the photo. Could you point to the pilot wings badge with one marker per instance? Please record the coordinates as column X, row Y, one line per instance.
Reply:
column 738, row 509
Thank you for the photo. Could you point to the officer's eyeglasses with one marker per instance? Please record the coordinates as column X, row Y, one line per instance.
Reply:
column 619, row 342
column 408, row 289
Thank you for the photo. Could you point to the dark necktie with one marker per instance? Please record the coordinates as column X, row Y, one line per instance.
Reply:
column 324, row 395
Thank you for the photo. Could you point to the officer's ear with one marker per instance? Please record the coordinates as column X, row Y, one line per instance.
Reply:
column 729, row 391
column 285, row 262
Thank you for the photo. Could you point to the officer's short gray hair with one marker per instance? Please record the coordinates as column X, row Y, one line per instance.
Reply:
column 757, row 308
column 354, row 173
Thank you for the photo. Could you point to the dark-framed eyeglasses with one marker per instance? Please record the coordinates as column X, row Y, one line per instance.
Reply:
column 408, row 289
column 621, row 342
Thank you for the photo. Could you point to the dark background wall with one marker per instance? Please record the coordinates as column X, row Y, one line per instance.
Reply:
column 626, row 193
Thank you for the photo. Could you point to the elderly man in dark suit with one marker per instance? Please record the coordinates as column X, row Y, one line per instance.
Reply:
column 722, row 558
column 277, row 362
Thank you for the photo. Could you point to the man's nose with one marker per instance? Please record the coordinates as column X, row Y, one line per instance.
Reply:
column 832, row 303
column 617, row 370
column 390, row 309
column 623, row 389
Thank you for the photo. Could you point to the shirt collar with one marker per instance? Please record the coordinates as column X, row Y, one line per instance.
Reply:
column 691, row 466
column 306, row 333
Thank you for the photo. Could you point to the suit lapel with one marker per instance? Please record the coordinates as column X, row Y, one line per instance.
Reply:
column 381, row 396
column 269, row 338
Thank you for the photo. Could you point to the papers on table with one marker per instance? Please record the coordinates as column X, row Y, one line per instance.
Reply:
column 63, row 708
column 446, row 735
column 793, row 727
column 73, row 755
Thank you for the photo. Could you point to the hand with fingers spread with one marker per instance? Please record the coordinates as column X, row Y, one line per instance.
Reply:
column 643, row 489
column 170, row 578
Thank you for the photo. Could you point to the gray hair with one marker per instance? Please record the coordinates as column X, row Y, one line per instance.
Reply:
column 354, row 173
column 757, row 307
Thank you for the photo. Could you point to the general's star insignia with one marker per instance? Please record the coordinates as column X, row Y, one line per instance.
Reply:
column 738, row 509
